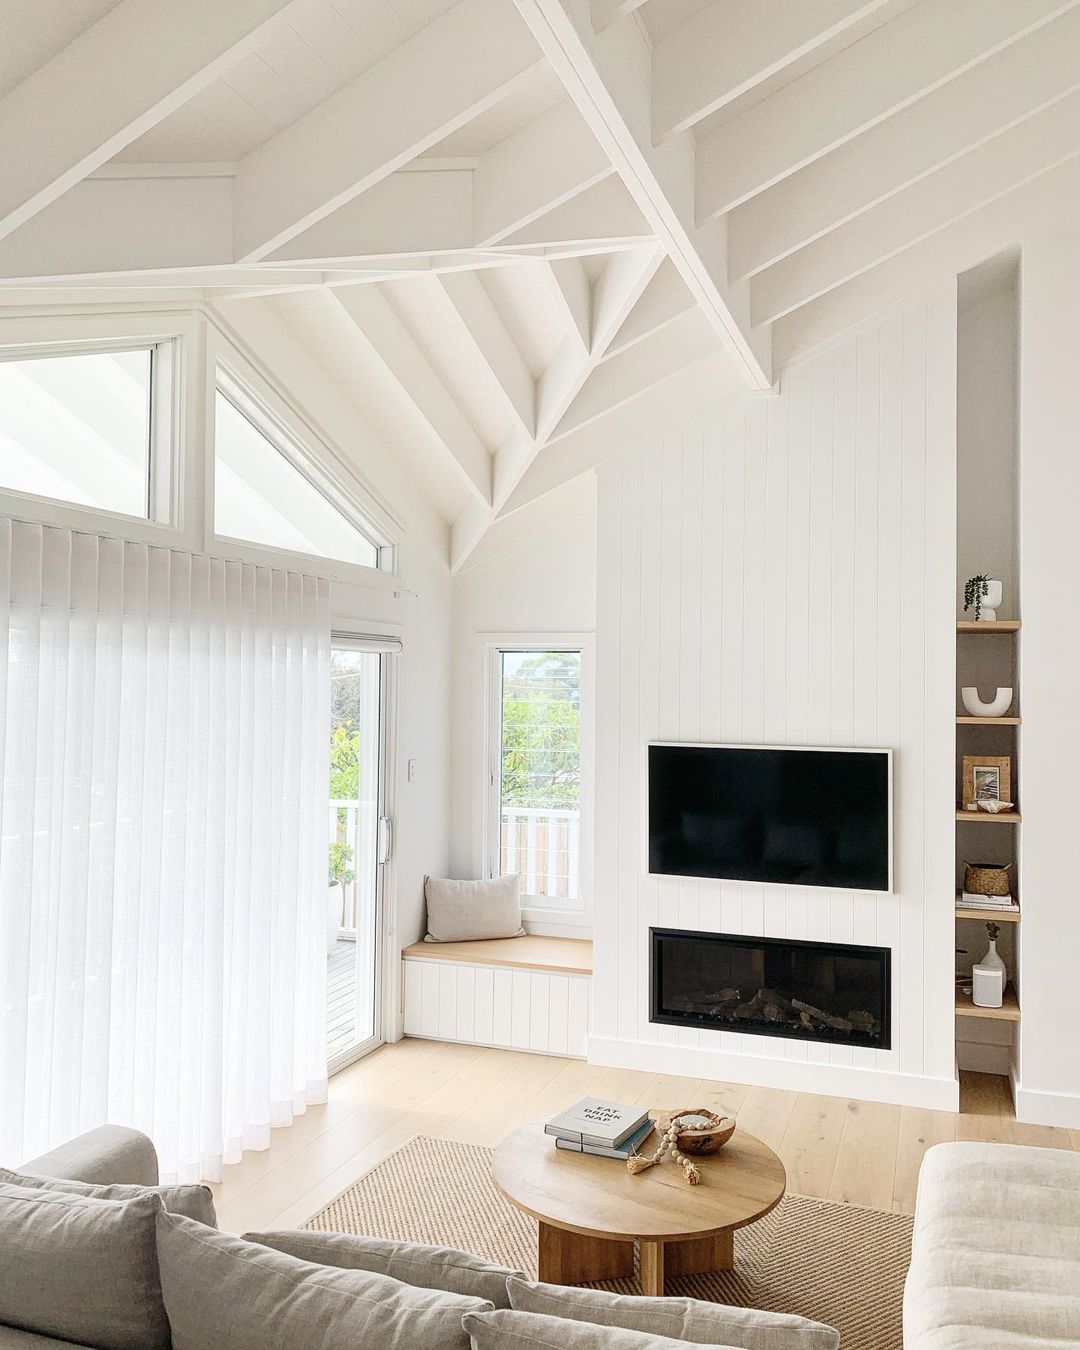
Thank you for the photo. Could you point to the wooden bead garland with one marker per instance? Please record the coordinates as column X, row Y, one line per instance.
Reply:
column 669, row 1143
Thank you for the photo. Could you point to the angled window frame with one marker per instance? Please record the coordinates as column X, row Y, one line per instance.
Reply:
column 311, row 454
column 175, row 343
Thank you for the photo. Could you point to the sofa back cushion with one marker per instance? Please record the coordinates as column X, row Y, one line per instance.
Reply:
column 81, row 1269
column 687, row 1319
column 426, row 1267
column 193, row 1202
column 223, row 1293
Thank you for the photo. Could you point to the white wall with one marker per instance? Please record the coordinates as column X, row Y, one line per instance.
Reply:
column 782, row 571
column 1048, row 1077
column 536, row 574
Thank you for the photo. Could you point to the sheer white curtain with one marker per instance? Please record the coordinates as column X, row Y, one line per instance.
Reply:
column 164, row 731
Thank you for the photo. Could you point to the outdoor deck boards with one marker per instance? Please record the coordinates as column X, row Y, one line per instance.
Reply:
column 340, row 997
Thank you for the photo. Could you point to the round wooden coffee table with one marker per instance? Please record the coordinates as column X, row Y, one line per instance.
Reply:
column 592, row 1211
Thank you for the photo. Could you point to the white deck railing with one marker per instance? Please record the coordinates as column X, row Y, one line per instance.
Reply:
column 354, row 823
column 545, row 847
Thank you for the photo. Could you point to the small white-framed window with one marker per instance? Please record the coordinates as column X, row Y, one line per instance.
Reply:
column 270, row 490
column 537, row 818
column 90, row 426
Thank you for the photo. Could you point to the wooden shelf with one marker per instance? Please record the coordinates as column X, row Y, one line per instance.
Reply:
column 987, row 721
column 985, row 818
column 1008, row 1012
column 564, row 956
column 988, row 915
column 988, row 626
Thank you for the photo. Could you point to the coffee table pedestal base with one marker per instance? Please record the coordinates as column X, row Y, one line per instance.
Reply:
column 570, row 1258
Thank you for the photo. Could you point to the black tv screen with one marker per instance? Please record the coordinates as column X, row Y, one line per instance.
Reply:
column 755, row 813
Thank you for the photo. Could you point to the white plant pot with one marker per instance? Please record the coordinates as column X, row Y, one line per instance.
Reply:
column 991, row 602
column 998, row 706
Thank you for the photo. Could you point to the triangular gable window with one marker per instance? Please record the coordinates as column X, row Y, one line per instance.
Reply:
column 263, row 496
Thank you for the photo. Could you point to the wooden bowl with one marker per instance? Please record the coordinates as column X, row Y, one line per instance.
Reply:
column 697, row 1143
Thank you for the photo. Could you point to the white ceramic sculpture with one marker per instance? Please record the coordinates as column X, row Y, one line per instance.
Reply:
column 997, row 707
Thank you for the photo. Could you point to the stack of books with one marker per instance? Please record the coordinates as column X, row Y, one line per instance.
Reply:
column 603, row 1128
column 968, row 900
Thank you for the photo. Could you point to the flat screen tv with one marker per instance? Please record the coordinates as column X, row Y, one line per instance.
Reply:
column 802, row 817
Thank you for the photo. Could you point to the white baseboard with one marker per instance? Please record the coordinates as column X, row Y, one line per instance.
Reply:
column 869, row 1085
column 1046, row 1108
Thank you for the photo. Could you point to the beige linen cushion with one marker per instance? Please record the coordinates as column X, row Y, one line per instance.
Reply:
column 468, row 911
column 685, row 1319
column 194, row 1202
column 532, row 1331
column 425, row 1267
column 223, row 1293
column 81, row 1269
column 995, row 1258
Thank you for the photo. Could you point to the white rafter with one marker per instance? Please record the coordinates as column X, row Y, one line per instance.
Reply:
column 395, row 351
column 727, row 47
column 117, row 79
column 433, row 84
column 901, row 61
column 960, row 115
column 609, row 77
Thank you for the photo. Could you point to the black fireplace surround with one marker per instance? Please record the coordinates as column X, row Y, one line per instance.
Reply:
column 806, row 991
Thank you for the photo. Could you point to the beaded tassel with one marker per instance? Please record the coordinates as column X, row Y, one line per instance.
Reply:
column 668, row 1144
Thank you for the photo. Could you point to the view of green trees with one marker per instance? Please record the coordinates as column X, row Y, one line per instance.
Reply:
column 541, row 730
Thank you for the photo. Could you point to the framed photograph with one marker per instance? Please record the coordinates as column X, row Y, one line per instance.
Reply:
column 987, row 778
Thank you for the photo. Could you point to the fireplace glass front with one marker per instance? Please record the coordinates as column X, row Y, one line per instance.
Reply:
column 808, row 991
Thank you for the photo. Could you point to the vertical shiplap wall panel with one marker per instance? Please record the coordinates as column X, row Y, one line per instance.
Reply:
column 780, row 571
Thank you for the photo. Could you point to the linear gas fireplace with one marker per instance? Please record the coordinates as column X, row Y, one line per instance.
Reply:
column 809, row 991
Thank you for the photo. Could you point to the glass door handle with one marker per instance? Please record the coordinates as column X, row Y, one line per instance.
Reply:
column 386, row 839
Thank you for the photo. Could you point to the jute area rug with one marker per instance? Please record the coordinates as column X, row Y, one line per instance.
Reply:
column 837, row 1263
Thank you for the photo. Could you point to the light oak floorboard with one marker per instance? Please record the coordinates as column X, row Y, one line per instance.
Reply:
column 864, row 1153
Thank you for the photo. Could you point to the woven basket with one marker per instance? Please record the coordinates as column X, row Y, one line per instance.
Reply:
column 986, row 878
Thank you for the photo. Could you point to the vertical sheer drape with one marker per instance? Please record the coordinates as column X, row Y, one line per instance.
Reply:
column 163, row 742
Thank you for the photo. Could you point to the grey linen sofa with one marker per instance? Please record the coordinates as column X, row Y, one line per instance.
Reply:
column 94, row 1253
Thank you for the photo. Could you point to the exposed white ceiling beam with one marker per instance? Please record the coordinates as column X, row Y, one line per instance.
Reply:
column 607, row 12
column 701, row 385
column 116, row 80
column 605, row 213
column 609, row 77
column 852, row 90
column 466, row 532
column 569, row 283
column 990, row 97
column 394, row 348
column 664, row 300
column 997, row 226
column 482, row 326
column 729, row 46
column 950, row 193
column 541, row 166
column 432, row 84
column 623, row 376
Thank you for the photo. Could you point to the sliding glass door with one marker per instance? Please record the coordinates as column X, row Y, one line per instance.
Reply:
column 358, row 848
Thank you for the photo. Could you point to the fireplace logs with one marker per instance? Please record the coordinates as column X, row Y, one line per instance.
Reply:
column 774, row 1009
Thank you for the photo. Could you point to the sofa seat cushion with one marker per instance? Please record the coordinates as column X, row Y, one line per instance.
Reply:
column 81, row 1269
column 193, row 1202
column 11, row 1339
column 508, row 1330
column 223, row 1293
column 996, row 1250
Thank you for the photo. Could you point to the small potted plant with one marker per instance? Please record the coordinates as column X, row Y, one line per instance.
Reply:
column 980, row 589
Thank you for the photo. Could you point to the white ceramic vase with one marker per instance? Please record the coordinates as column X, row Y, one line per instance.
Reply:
column 997, row 707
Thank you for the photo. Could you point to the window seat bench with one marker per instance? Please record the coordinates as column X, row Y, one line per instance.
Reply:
column 525, row 993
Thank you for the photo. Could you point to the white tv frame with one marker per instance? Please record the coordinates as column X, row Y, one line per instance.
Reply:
column 737, row 745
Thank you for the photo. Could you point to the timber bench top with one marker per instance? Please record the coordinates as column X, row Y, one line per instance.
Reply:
column 564, row 956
